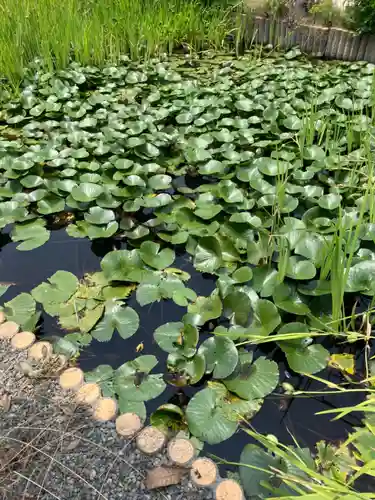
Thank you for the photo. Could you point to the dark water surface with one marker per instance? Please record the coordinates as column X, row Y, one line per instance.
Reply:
column 278, row 416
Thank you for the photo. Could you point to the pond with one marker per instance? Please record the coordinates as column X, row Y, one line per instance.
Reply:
column 279, row 416
column 200, row 232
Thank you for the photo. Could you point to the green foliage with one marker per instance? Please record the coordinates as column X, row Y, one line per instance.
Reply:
column 281, row 471
column 213, row 415
column 260, row 170
column 363, row 16
column 55, row 31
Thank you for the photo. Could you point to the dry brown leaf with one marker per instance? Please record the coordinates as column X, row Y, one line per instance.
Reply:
column 160, row 477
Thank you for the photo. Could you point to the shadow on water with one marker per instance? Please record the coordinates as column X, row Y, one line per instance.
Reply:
column 279, row 416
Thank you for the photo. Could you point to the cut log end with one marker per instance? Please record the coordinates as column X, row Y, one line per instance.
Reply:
column 229, row 490
column 88, row 394
column 150, row 440
column 181, row 451
column 71, row 379
column 203, row 472
column 8, row 329
column 40, row 350
column 105, row 409
column 128, row 424
column 22, row 340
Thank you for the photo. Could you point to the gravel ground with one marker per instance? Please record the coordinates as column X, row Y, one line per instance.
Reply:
column 49, row 449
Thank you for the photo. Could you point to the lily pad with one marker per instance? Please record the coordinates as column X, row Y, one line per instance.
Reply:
column 116, row 317
column 206, row 418
column 154, row 257
column 255, row 380
column 221, row 356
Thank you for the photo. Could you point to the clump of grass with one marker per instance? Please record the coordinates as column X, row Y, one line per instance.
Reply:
column 93, row 32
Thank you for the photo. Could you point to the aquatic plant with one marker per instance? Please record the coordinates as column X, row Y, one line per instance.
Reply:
column 260, row 169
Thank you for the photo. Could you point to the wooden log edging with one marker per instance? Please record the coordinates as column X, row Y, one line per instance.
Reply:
column 149, row 440
column 319, row 41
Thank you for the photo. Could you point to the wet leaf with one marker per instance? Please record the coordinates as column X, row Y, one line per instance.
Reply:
column 221, row 356
column 116, row 317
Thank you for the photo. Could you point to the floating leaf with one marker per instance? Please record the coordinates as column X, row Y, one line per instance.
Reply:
column 221, row 356
column 97, row 215
column 207, row 255
column 266, row 318
column 154, row 257
column 237, row 307
column 133, row 381
column 20, row 309
column 168, row 417
column 116, row 317
column 302, row 356
column 86, row 191
column 343, row 362
column 255, row 380
column 286, row 298
column 330, row 201
column 176, row 337
column 32, row 234
column 242, row 275
column 206, row 417
column 361, row 277
column 205, row 308
column 60, row 288
column 299, row 268
column 185, row 370
column 122, row 265
column 256, row 470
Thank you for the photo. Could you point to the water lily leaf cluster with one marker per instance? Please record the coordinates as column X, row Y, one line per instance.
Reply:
column 245, row 165
column 90, row 306
column 132, row 383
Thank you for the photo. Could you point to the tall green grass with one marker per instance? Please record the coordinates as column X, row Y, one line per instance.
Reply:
column 93, row 31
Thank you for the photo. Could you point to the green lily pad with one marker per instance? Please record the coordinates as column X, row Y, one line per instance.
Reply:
column 20, row 309
column 299, row 268
column 287, row 298
column 237, row 307
column 330, row 201
column 206, row 418
column 122, row 265
column 60, row 288
column 205, row 308
column 221, row 356
column 207, row 254
column 98, row 215
column 154, row 257
column 86, row 191
column 255, row 380
column 185, row 370
column 116, row 317
column 176, row 337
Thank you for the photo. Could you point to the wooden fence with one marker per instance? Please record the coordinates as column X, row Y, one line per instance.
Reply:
column 329, row 43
